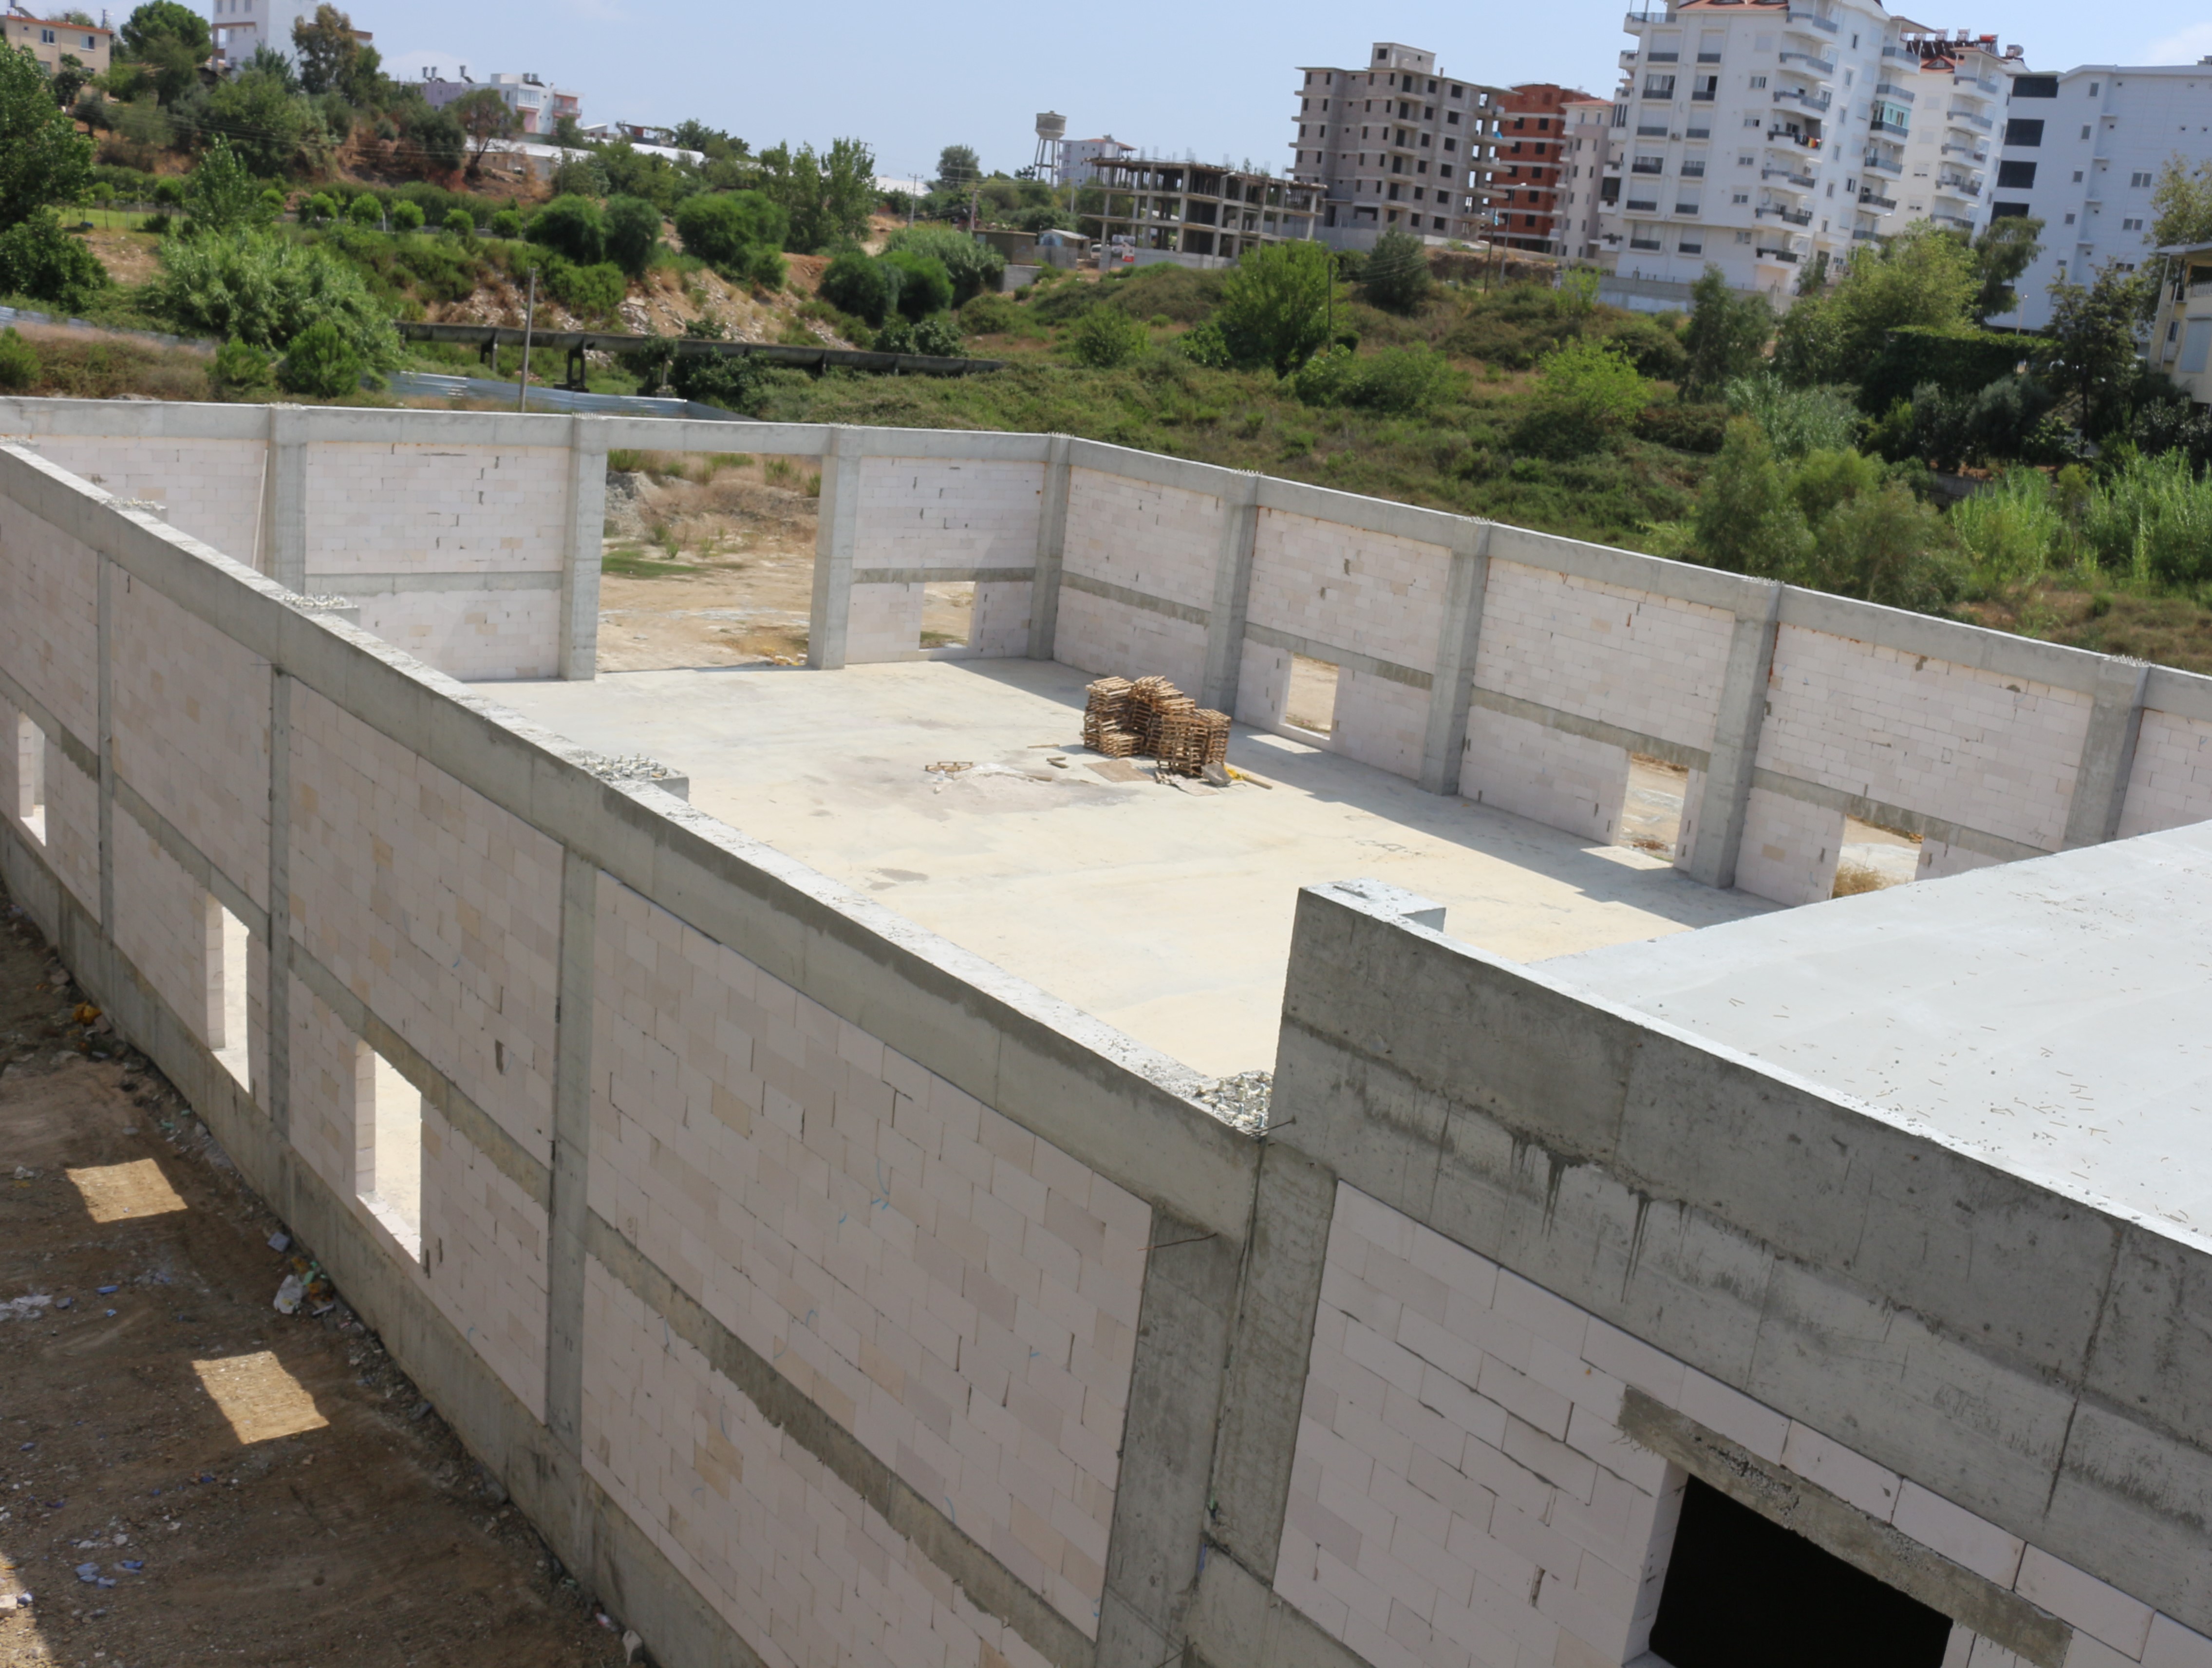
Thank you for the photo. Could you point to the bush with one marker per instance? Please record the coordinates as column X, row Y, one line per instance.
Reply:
column 935, row 337
column 856, row 283
column 1395, row 274
column 1513, row 327
column 1401, row 381
column 1888, row 547
column 572, row 228
column 1588, row 393
column 1652, row 347
column 507, row 223
column 633, row 233
column 989, row 315
column 1106, row 338
column 1747, row 521
column 2153, row 519
column 1796, row 420
column 460, row 223
column 39, row 259
column 1686, row 428
column 2002, row 422
column 19, row 362
column 406, row 217
column 730, row 381
column 364, row 212
column 2011, row 529
column 975, row 268
column 1274, row 307
column 1725, row 337
column 240, row 372
column 322, row 363
column 266, row 290
column 723, row 228
column 319, row 210
column 1959, row 361
column 924, row 286
column 589, row 292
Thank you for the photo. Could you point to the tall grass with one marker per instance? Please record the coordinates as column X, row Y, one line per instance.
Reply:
column 1797, row 421
column 2012, row 530
column 2152, row 522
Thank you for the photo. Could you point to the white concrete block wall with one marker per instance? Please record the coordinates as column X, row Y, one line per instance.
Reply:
column 50, row 619
column 1563, row 781
column 161, row 922
column 2171, row 783
column 1939, row 858
column 1462, row 1493
column 1373, row 593
column 477, row 634
column 323, row 1059
column 960, row 1295
column 73, row 828
column 796, row 1562
column 1789, row 850
column 389, row 508
column 1160, row 541
column 1263, row 686
column 1000, row 629
column 483, row 1258
column 1644, row 662
column 937, row 512
column 1989, row 750
column 439, row 911
column 190, row 723
column 1096, row 633
column 1380, row 721
column 213, row 490
column 883, row 623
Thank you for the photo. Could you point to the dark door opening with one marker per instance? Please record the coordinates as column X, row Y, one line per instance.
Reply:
column 1743, row 1593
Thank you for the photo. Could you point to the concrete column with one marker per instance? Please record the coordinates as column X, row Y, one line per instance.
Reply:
column 287, row 497
column 1051, row 550
column 1232, row 593
column 1167, row 1445
column 572, row 1136
column 1444, row 749
column 105, row 580
column 579, row 549
column 276, row 1093
column 836, row 528
column 2108, row 753
column 1736, row 747
column 1294, row 1203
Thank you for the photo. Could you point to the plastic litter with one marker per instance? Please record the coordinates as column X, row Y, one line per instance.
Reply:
column 22, row 1601
column 289, row 1293
column 632, row 1644
column 106, row 1290
column 25, row 1307
column 280, row 1240
column 134, row 1565
column 87, row 1572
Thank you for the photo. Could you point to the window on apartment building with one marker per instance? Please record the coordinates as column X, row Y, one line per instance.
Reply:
column 226, row 943
column 2085, row 130
column 1654, row 86
column 1759, row 81
column 2137, row 180
column 2009, row 212
column 1743, row 1593
column 1745, row 162
column 45, row 37
column 1743, row 237
column 2069, row 218
column 2016, row 176
column 2020, row 130
column 1691, row 246
column 1450, row 143
column 2096, row 86
column 2035, row 87
column 30, row 806
column 388, row 1146
column 1428, row 112
column 2131, row 225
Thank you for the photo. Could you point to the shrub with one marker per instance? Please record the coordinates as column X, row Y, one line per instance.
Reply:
column 1274, row 306
column 406, row 217
column 730, row 381
column 1106, row 338
column 322, row 363
column 1886, row 546
column 1958, row 361
column 2153, row 519
column 1588, row 393
column 460, row 223
column 924, row 286
column 975, row 268
column 935, row 336
column 572, row 228
column 265, row 290
column 1686, row 428
column 1747, row 521
column 364, row 212
column 507, row 223
column 989, row 315
column 1796, row 420
column 2011, row 529
column 1726, row 335
column 1825, row 480
column 240, row 372
column 1652, row 347
column 19, row 362
column 1401, row 381
column 590, row 292
column 856, row 283
column 319, row 210
column 2002, row 420
column 633, row 233
column 1395, row 276
column 723, row 228
column 37, row 258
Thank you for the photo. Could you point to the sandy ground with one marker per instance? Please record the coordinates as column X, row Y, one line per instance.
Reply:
column 235, row 1484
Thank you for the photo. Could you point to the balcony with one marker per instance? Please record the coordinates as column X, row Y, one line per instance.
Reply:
column 1805, row 20
column 1776, row 211
column 1644, row 243
column 1709, row 58
column 1881, row 125
column 1663, row 15
column 1881, row 164
column 1651, row 130
column 1791, row 180
column 1891, row 90
column 1665, row 58
column 1966, row 188
column 1805, row 63
column 1648, row 165
column 1955, row 114
column 1871, row 200
column 1792, row 139
column 1956, row 222
column 1966, row 153
column 1804, row 100
column 1697, row 133
column 1687, row 208
column 1787, row 256
column 1865, row 235
column 1702, row 98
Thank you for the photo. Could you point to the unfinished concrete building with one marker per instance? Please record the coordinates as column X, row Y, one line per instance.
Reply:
column 1206, row 215
column 829, row 1290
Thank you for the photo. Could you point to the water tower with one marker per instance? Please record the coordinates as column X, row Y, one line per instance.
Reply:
column 1051, row 129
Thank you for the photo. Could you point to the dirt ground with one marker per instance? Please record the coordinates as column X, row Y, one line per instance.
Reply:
column 188, row 1475
column 710, row 561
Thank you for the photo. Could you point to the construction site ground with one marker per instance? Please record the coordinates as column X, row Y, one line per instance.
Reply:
column 187, row 1474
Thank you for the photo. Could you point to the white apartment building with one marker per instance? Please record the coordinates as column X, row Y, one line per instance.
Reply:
column 537, row 107
column 1394, row 142
column 1587, row 187
column 1956, row 87
column 2082, row 152
column 1748, row 134
column 242, row 28
column 1079, row 158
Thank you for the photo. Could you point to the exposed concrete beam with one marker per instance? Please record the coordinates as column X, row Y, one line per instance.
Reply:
column 2108, row 753
column 1232, row 593
column 1743, row 701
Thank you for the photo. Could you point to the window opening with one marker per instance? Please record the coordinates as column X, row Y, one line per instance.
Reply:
column 227, row 990
column 388, row 1146
column 948, row 614
column 1311, row 704
column 30, row 806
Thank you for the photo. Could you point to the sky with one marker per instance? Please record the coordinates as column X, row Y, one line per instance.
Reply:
column 1219, row 81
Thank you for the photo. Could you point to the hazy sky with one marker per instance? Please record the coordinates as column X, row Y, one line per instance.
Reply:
column 1215, row 80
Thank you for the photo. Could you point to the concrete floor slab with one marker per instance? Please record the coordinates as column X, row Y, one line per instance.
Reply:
column 1164, row 911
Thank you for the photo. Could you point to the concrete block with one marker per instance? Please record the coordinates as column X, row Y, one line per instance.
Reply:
column 1958, row 1534
column 1848, row 1476
column 2095, row 1607
column 2172, row 1646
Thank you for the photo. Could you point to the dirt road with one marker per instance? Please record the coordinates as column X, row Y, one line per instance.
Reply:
column 185, row 1474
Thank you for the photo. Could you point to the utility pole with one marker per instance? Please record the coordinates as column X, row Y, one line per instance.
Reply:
column 529, row 318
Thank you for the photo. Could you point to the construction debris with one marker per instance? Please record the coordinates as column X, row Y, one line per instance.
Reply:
column 1154, row 718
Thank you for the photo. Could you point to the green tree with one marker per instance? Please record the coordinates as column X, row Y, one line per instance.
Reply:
column 168, row 42
column 1588, row 393
column 39, row 259
column 221, row 195
column 43, row 158
column 633, row 233
column 856, row 283
column 724, row 228
column 1273, row 310
column 264, row 290
column 1106, row 338
column 2005, row 249
column 1745, row 520
column 2181, row 204
column 1823, row 480
column 436, row 137
column 958, row 169
column 2094, row 329
column 267, row 124
column 1923, row 275
column 1396, row 276
column 924, row 286
column 974, row 267
column 1886, row 546
column 322, row 363
column 827, row 198
column 572, row 226
column 459, row 223
column 507, row 223
column 1726, row 337
column 69, row 78
column 406, row 216
column 485, row 118
column 325, row 47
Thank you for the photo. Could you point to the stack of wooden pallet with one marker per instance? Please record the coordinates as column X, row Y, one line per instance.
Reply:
column 1154, row 704
column 1106, row 718
column 1189, row 741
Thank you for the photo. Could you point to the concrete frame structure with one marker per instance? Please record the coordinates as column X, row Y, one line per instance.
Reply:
column 1529, row 167
column 1590, row 185
column 1395, row 142
column 1208, row 215
column 821, row 1292
column 2082, row 151
column 1079, row 158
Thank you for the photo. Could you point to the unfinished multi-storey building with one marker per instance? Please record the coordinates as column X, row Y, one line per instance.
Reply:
column 830, row 1228
column 1589, row 185
column 1396, row 143
column 1193, row 213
